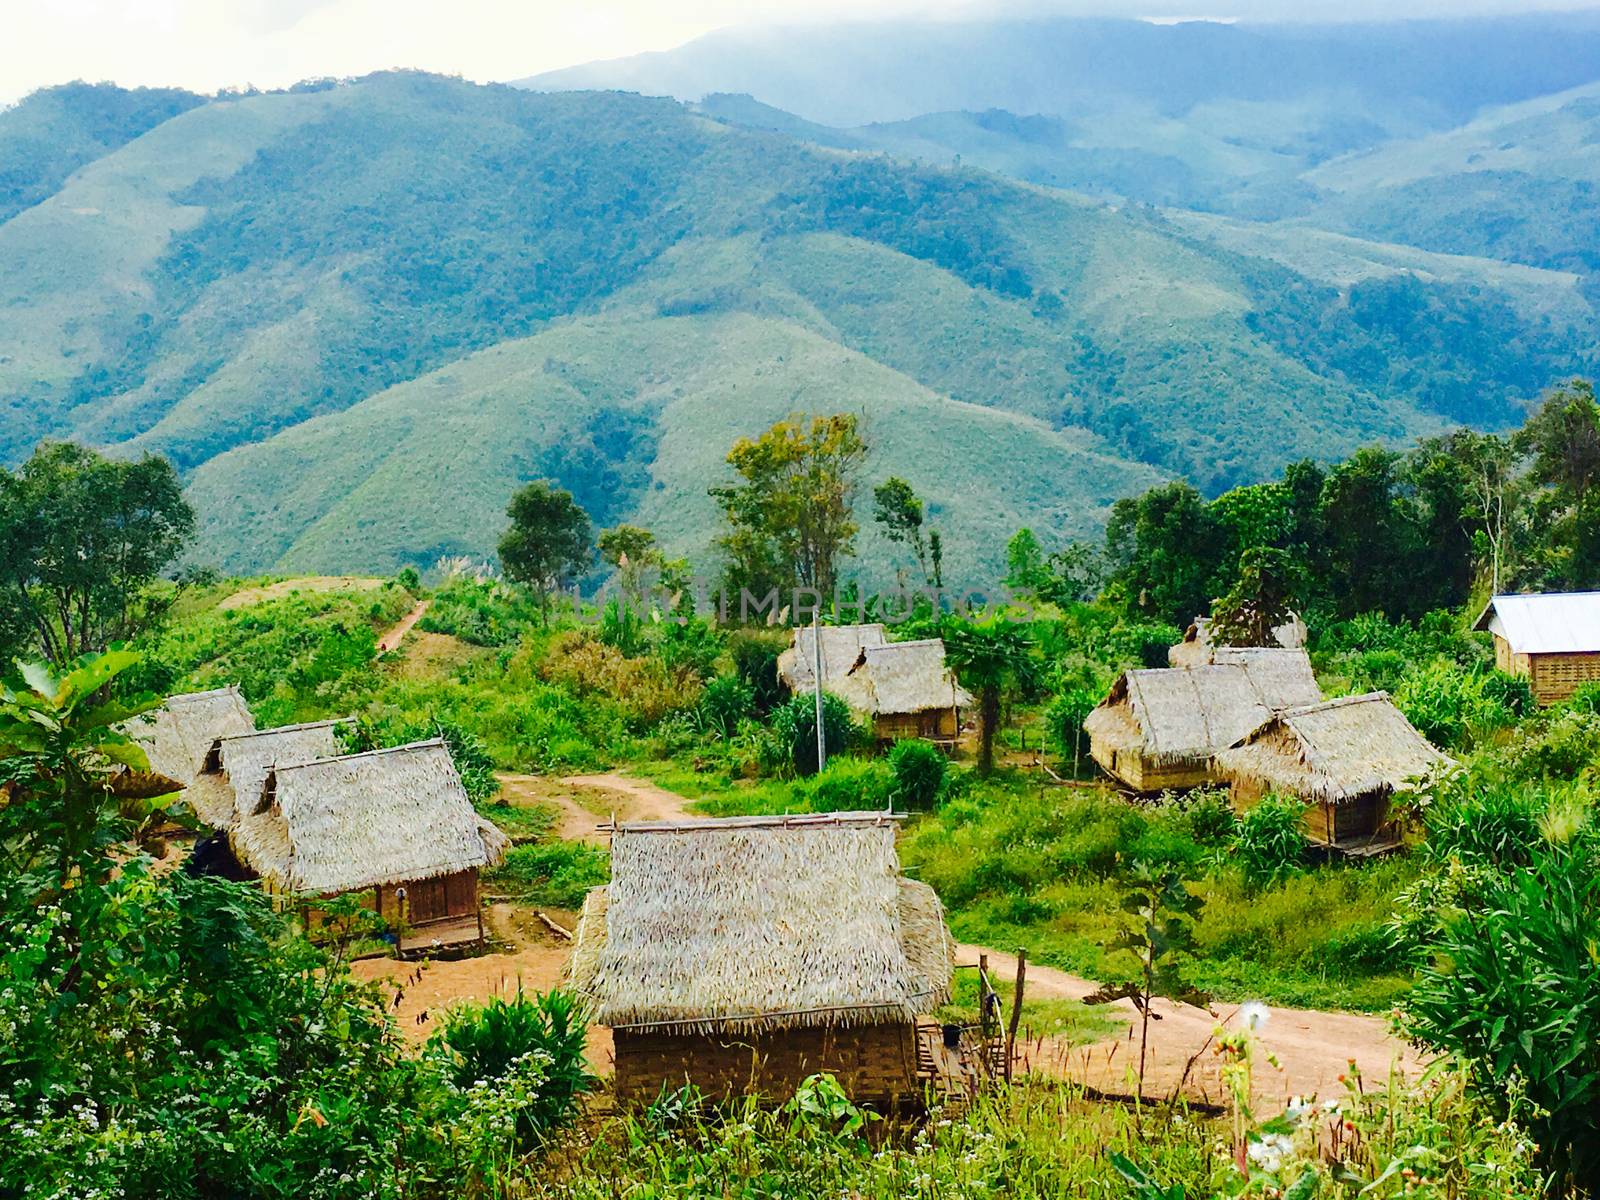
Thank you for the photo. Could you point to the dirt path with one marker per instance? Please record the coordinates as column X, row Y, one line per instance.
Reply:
column 1313, row 1048
column 396, row 635
column 583, row 802
column 421, row 992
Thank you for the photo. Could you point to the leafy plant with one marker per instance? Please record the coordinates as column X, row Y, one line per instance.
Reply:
column 919, row 770
column 793, row 725
column 726, row 701
column 1270, row 840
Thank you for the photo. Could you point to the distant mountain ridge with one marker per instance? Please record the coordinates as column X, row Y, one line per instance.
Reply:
column 358, row 316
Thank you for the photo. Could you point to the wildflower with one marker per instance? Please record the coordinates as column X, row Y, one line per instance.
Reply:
column 1253, row 1015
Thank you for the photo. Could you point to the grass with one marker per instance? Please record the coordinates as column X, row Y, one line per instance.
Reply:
column 1054, row 1017
column 553, row 874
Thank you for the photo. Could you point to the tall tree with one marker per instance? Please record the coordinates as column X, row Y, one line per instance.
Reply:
column 793, row 510
column 549, row 541
column 989, row 659
column 1026, row 573
column 631, row 551
column 1373, row 539
column 1563, row 436
column 82, row 538
column 1164, row 547
column 899, row 511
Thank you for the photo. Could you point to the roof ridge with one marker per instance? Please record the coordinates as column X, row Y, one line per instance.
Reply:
column 221, row 691
column 317, row 762
column 1335, row 702
column 774, row 821
column 255, row 733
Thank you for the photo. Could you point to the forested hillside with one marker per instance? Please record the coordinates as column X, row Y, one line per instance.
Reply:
column 356, row 316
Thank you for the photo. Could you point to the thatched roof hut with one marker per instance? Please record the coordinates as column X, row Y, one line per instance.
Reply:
column 237, row 765
column 841, row 650
column 177, row 735
column 1160, row 727
column 1335, row 751
column 758, row 924
column 1198, row 646
column 383, row 818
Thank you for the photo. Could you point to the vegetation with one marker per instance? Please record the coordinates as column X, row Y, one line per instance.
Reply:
column 548, row 544
column 81, row 540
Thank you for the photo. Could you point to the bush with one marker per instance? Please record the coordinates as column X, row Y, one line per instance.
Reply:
column 1210, row 818
column 847, row 785
column 486, row 1041
column 646, row 688
column 755, row 658
column 727, row 700
column 1271, row 839
column 1449, row 706
column 1584, row 699
column 919, row 770
column 1513, row 991
column 794, row 732
column 1064, row 718
column 1486, row 826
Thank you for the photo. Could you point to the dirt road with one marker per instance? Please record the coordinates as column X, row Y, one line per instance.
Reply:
column 1312, row 1048
column 397, row 633
column 583, row 802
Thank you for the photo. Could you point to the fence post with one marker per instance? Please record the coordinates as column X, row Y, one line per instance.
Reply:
column 1016, row 1010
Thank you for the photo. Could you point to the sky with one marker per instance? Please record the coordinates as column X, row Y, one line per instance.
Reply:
column 205, row 45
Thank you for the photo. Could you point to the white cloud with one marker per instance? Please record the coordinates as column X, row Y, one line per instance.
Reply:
column 209, row 44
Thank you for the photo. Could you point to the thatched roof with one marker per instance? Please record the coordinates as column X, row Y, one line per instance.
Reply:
column 1198, row 648
column 236, row 766
column 754, row 924
column 903, row 677
column 841, row 650
column 1333, row 751
column 1182, row 714
column 1551, row 623
column 177, row 735
column 357, row 821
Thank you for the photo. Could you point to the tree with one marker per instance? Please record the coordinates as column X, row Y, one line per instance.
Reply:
column 899, row 511
column 1164, row 547
column 1261, row 600
column 548, row 543
column 792, row 515
column 988, row 658
column 631, row 551
column 1025, row 567
column 1373, row 539
column 1563, row 436
column 82, row 538
column 936, row 557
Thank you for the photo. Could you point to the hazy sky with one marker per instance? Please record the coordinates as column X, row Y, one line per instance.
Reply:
column 208, row 44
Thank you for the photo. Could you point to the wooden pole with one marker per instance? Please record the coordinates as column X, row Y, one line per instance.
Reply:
column 1016, row 1011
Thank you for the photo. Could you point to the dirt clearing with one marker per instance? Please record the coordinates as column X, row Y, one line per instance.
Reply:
column 583, row 802
column 1313, row 1049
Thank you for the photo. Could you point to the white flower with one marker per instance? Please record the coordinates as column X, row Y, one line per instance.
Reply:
column 1253, row 1015
column 1270, row 1149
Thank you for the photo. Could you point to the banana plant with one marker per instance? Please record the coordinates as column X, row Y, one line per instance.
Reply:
column 73, row 783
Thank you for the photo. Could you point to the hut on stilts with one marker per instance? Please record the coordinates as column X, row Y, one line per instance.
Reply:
column 1345, row 758
column 396, row 823
column 742, row 955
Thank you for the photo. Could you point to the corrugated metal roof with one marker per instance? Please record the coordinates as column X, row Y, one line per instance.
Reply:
column 1551, row 623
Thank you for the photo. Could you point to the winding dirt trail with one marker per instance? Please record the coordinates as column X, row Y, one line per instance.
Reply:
column 1313, row 1049
column 397, row 633
column 583, row 802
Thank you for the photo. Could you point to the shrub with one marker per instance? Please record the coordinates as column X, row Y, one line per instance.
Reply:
column 755, row 658
column 847, row 785
column 689, row 646
column 1271, row 839
column 727, row 700
column 919, row 770
column 647, row 688
column 1449, row 706
column 486, row 1041
column 794, row 732
column 481, row 611
column 1065, row 716
column 1562, row 744
column 1210, row 818
column 1513, row 991
column 1514, row 694
column 1584, row 699
column 1487, row 825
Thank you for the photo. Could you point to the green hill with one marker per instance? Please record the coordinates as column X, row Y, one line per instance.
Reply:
column 357, row 317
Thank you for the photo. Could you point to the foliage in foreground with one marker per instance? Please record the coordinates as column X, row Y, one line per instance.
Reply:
column 1041, row 1140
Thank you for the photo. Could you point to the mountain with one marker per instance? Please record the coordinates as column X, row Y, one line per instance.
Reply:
column 853, row 73
column 358, row 316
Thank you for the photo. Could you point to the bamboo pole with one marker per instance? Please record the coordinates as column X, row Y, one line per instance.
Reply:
column 1016, row 1010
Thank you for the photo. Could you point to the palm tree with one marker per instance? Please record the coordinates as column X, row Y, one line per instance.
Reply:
column 988, row 658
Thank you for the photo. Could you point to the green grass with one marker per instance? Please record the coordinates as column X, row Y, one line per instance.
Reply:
column 554, row 874
column 1071, row 1021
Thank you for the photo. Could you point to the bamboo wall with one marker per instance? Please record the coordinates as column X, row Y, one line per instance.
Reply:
column 873, row 1063
column 1552, row 677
